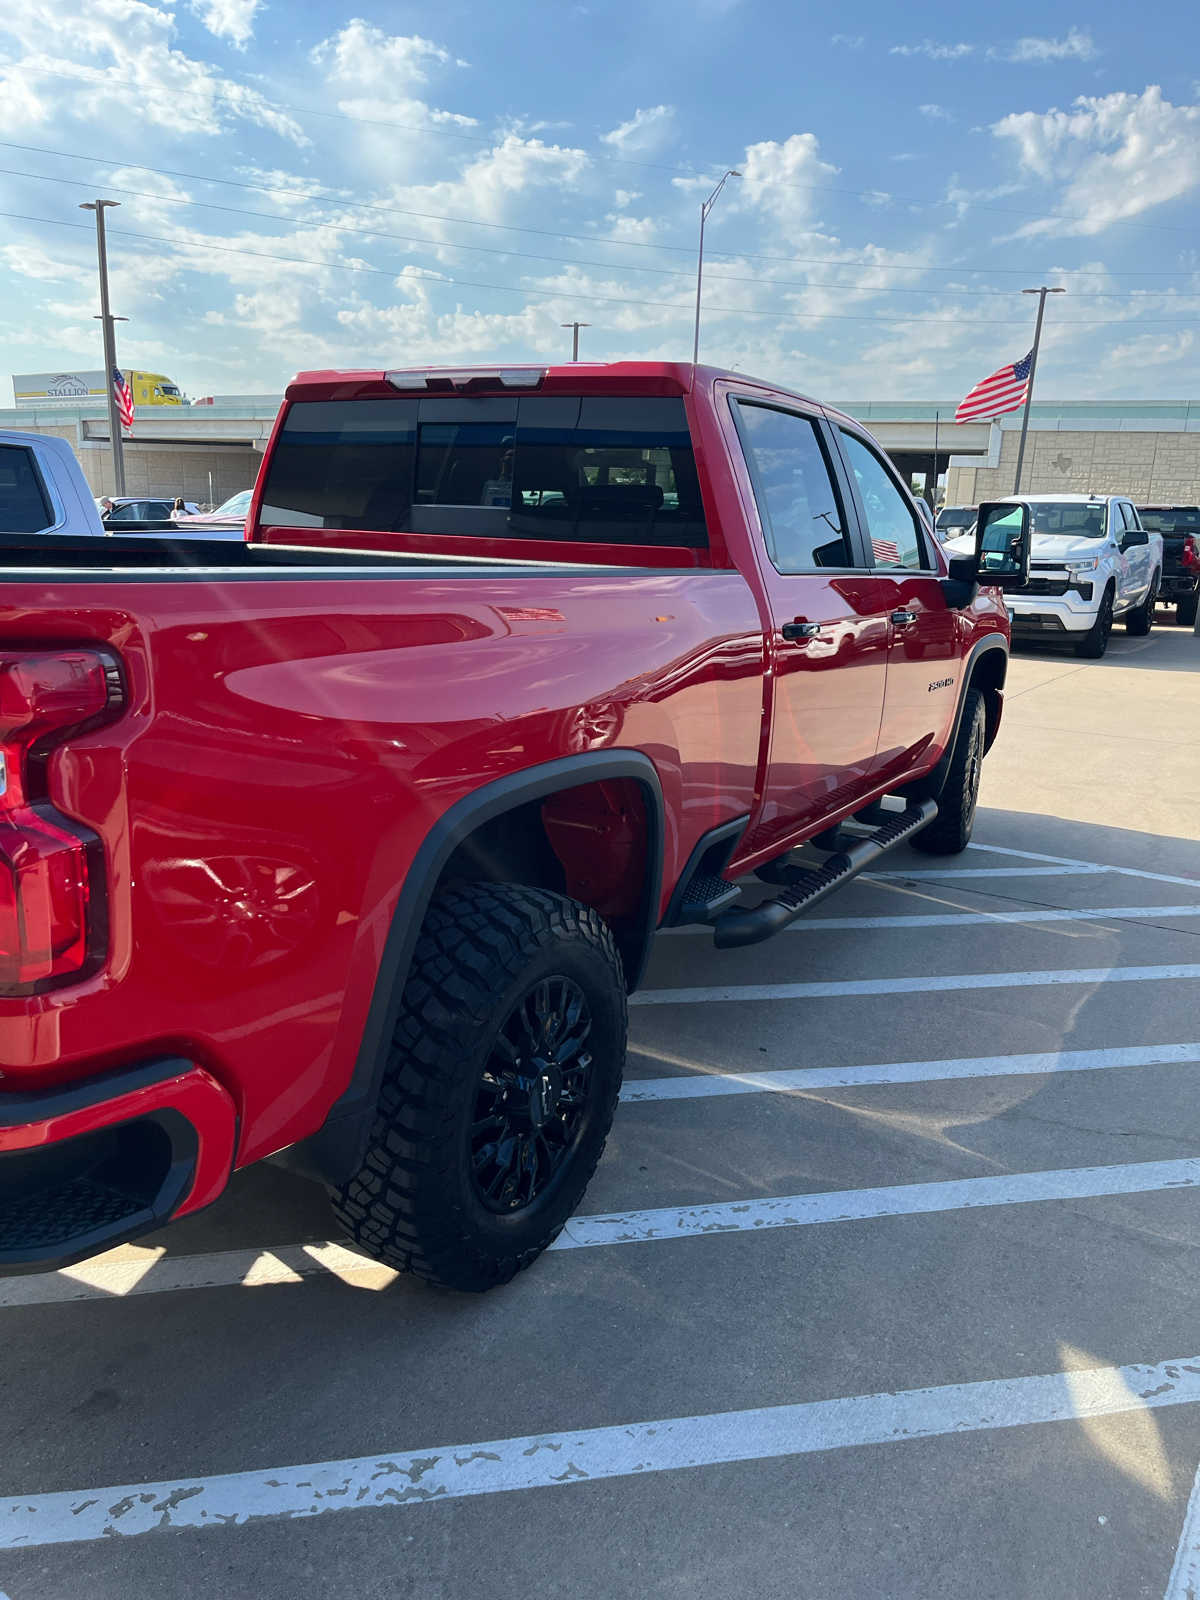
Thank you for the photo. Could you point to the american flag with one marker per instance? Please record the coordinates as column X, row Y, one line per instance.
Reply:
column 886, row 551
column 1004, row 391
column 124, row 396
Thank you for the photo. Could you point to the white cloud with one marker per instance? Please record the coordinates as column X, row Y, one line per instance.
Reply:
column 850, row 41
column 625, row 197
column 934, row 50
column 377, row 71
column 936, row 113
column 1116, row 155
column 645, row 129
column 780, row 180
column 126, row 40
column 1076, row 44
column 228, row 19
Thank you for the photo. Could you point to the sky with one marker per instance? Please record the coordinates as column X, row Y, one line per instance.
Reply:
column 311, row 185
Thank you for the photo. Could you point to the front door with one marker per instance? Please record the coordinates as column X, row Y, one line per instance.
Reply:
column 828, row 640
column 924, row 648
column 1135, row 558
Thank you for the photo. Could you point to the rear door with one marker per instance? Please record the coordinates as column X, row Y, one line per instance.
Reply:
column 827, row 642
column 923, row 633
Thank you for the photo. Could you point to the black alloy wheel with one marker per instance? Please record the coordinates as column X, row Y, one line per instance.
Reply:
column 532, row 1095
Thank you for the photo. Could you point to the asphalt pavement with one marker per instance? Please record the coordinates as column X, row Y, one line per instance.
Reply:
column 889, row 1283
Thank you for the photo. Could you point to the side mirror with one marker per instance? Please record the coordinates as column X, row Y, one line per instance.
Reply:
column 1133, row 536
column 1003, row 537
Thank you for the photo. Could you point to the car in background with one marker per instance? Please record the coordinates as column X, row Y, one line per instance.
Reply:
column 132, row 509
column 1180, row 529
column 229, row 517
column 953, row 521
column 1092, row 562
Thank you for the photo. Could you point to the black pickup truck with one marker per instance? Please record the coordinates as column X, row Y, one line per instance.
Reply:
column 1180, row 529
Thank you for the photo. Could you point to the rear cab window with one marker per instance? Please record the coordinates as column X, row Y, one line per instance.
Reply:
column 580, row 469
column 24, row 503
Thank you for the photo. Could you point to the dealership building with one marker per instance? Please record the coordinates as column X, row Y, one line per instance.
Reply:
column 1149, row 450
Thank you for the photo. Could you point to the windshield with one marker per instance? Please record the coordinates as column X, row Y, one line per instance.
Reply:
column 958, row 517
column 1080, row 519
column 236, row 506
column 1172, row 519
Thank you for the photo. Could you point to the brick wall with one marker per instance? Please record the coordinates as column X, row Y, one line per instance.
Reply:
column 1149, row 467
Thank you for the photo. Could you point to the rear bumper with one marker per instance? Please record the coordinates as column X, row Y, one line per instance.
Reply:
column 90, row 1165
column 1174, row 584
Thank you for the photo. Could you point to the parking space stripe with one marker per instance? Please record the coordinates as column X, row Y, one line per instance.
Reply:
column 928, row 984
column 917, row 873
column 1071, row 863
column 550, row 1460
column 1184, row 1582
column 975, row 918
column 702, row 1085
column 864, row 1205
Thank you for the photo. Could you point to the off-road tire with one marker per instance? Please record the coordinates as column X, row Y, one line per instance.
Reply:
column 1185, row 610
column 950, row 830
column 1094, row 642
column 413, row 1204
column 1141, row 619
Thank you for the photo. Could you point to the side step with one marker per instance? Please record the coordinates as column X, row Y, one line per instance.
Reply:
column 808, row 885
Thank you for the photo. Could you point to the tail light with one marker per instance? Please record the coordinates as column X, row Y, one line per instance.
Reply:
column 1191, row 555
column 51, row 868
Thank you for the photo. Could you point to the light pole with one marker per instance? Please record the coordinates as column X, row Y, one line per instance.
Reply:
column 574, row 327
column 1033, row 355
column 704, row 210
column 110, row 343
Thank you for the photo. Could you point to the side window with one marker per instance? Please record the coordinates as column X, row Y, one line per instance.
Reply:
column 1120, row 517
column 802, row 519
column 892, row 526
column 123, row 514
column 24, row 507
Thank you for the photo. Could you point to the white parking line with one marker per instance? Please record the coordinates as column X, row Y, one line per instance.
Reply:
column 702, row 1085
column 975, row 918
column 545, row 1461
column 1071, row 863
column 923, row 985
column 1184, row 1582
column 861, row 1205
column 105, row 1279
column 1080, row 870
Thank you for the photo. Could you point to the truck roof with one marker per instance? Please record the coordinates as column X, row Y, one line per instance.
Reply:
column 573, row 377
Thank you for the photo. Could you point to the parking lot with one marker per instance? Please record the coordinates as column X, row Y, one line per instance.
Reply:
column 889, row 1282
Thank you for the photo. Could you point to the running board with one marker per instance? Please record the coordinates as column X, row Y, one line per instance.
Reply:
column 806, row 886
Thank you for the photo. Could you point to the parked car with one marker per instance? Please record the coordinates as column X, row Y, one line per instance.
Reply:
column 346, row 846
column 1180, row 530
column 132, row 509
column 954, row 522
column 42, row 489
column 1092, row 562
column 230, row 517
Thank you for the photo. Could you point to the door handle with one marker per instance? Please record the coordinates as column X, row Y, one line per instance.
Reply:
column 796, row 631
column 904, row 619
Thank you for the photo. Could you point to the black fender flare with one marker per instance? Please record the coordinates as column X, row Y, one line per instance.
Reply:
column 336, row 1150
column 931, row 784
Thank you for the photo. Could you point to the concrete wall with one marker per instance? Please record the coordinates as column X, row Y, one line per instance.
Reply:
column 163, row 470
column 1149, row 467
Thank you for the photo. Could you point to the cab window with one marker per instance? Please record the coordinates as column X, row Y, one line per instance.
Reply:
column 893, row 528
column 802, row 519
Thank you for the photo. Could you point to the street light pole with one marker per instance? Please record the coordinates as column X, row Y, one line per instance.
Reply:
column 704, row 210
column 1033, row 355
column 574, row 327
column 107, row 319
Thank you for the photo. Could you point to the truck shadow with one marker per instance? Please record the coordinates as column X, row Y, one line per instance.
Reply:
column 1167, row 648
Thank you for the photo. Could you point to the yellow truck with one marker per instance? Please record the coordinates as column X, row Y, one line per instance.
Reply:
column 41, row 389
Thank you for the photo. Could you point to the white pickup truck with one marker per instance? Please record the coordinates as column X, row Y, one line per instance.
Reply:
column 1092, row 562
column 42, row 489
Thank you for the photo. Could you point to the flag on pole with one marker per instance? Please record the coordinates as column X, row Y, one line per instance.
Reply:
column 1004, row 391
column 124, row 396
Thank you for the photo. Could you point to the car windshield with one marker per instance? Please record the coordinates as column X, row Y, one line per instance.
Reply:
column 1172, row 519
column 959, row 517
column 1079, row 518
column 236, row 506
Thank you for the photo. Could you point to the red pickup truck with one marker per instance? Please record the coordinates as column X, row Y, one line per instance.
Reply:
column 344, row 845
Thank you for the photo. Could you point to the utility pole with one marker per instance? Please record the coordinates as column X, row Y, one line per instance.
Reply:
column 574, row 327
column 704, row 210
column 110, row 342
column 1033, row 355
column 937, row 417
